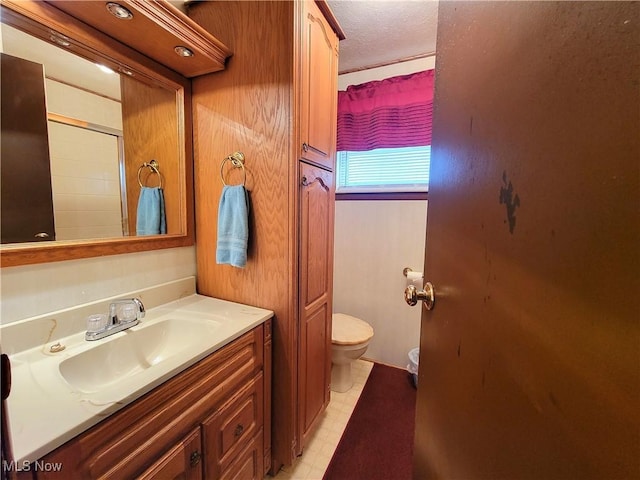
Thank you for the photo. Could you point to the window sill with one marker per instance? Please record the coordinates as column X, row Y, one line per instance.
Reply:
column 382, row 196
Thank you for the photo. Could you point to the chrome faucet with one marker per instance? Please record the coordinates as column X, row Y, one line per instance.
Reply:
column 123, row 314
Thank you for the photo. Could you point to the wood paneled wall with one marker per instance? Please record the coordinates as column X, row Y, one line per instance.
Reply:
column 250, row 107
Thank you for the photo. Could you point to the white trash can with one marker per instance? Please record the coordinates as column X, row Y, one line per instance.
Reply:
column 412, row 367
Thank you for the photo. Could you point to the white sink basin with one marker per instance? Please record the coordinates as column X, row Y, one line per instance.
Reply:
column 132, row 352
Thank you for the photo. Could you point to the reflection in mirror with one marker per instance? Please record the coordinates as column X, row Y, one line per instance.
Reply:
column 99, row 130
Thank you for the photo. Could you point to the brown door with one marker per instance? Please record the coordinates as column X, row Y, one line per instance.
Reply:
column 529, row 361
column 27, row 202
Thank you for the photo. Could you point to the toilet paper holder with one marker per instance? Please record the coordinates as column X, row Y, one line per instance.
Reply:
column 406, row 270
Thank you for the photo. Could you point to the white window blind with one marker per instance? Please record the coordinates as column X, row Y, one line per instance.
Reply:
column 384, row 170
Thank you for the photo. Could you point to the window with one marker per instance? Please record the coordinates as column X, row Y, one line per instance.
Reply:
column 384, row 170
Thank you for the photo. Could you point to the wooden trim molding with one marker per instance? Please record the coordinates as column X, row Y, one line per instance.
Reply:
column 385, row 64
column 331, row 18
column 154, row 30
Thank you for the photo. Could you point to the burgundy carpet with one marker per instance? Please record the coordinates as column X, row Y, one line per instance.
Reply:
column 377, row 443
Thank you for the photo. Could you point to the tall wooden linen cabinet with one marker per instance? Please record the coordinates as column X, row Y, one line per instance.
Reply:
column 276, row 103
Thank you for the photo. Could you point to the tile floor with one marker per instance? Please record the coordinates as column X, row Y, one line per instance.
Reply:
column 316, row 457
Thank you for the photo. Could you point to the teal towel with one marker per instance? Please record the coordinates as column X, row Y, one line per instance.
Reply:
column 233, row 226
column 151, row 215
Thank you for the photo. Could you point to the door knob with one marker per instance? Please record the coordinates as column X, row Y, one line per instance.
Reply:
column 426, row 295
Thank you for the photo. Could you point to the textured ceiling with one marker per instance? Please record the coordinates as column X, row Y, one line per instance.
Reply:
column 384, row 31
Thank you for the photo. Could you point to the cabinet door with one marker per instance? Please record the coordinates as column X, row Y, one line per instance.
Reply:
column 318, row 89
column 315, row 283
column 183, row 461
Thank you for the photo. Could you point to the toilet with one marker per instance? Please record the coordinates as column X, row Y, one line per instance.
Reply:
column 350, row 337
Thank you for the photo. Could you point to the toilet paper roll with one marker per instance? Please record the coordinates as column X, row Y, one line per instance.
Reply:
column 415, row 279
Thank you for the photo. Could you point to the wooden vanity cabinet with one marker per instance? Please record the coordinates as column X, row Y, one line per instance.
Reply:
column 276, row 102
column 317, row 97
column 206, row 422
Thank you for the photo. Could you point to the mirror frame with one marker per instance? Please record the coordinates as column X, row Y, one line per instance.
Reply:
column 43, row 20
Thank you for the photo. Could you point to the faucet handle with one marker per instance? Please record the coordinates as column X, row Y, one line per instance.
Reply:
column 141, row 312
column 126, row 310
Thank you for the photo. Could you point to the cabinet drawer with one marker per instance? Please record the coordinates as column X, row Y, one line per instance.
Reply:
column 182, row 461
column 232, row 427
column 248, row 464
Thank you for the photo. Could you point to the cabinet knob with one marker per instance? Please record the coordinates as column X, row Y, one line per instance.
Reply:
column 305, row 147
column 239, row 430
column 195, row 458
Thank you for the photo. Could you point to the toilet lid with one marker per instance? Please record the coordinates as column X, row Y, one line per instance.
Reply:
column 348, row 330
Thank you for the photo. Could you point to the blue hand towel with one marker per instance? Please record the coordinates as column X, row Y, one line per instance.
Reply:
column 151, row 215
column 233, row 226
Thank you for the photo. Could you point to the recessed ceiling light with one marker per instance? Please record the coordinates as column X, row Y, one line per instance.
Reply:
column 183, row 51
column 119, row 11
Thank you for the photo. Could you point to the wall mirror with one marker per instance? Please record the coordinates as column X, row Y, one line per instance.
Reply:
column 107, row 124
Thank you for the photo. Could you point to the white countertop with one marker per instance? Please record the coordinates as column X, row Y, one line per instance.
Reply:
column 45, row 410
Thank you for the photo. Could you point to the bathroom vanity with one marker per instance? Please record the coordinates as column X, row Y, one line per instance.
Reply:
column 207, row 422
column 186, row 393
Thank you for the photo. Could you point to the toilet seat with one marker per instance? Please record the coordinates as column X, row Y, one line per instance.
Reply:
column 348, row 330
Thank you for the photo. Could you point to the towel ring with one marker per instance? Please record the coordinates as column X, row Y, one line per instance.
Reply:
column 153, row 166
column 237, row 160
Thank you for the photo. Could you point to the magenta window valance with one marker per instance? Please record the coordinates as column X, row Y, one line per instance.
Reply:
column 390, row 113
